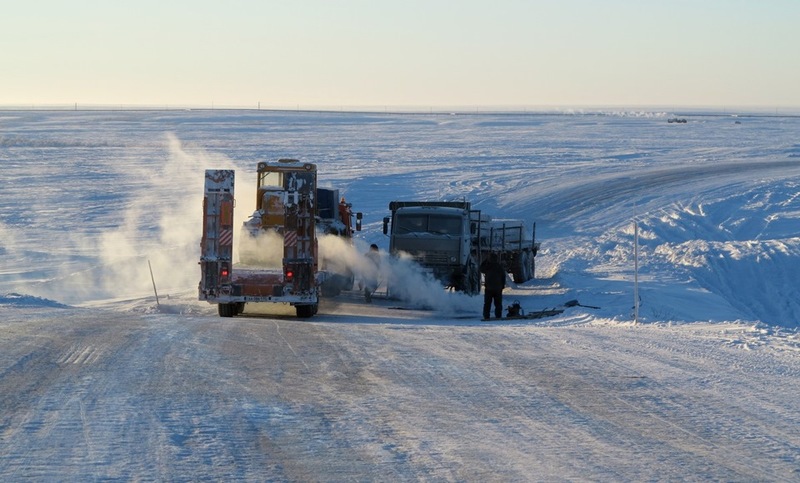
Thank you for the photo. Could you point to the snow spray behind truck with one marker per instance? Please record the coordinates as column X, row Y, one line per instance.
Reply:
column 450, row 240
column 285, row 205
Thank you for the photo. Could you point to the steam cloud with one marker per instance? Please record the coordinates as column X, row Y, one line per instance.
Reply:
column 401, row 277
column 164, row 228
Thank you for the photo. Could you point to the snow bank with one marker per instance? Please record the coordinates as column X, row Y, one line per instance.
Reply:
column 22, row 300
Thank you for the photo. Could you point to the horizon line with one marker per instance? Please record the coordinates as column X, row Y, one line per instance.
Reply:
column 420, row 109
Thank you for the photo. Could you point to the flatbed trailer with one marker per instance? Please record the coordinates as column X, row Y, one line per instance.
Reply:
column 286, row 199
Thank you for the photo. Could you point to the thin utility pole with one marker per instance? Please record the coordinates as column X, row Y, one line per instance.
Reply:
column 154, row 282
column 635, row 272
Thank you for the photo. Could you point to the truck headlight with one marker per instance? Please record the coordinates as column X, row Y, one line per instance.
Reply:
column 452, row 259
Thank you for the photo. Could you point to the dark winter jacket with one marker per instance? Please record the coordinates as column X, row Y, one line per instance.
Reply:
column 494, row 275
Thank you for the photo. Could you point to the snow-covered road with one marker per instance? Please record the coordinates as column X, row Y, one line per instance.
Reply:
column 393, row 395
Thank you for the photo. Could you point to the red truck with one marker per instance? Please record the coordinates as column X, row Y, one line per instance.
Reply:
column 285, row 210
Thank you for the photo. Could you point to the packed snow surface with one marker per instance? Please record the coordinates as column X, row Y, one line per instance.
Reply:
column 98, row 380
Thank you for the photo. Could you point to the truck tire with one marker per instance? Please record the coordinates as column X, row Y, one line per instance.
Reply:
column 526, row 266
column 471, row 284
column 226, row 310
column 330, row 289
column 529, row 259
column 522, row 271
column 304, row 311
column 518, row 268
column 532, row 266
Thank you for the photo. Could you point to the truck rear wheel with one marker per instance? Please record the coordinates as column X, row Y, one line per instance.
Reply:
column 532, row 266
column 226, row 310
column 304, row 311
column 522, row 271
column 518, row 268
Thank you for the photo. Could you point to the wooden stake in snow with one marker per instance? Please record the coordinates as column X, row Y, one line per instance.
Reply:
column 154, row 282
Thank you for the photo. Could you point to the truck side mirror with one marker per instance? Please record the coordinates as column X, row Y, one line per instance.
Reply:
column 385, row 225
column 359, row 216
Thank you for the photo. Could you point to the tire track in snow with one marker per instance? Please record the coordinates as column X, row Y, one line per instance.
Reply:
column 730, row 436
column 278, row 331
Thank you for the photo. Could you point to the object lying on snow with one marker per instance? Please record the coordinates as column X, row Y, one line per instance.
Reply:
column 575, row 303
column 515, row 311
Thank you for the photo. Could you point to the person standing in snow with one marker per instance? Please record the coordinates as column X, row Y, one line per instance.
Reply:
column 494, row 281
column 371, row 277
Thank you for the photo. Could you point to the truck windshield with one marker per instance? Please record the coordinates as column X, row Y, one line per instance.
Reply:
column 270, row 178
column 441, row 225
column 291, row 181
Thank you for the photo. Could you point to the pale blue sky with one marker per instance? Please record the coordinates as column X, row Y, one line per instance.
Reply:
column 512, row 53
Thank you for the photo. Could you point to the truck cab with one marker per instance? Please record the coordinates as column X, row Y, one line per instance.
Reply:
column 440, row 236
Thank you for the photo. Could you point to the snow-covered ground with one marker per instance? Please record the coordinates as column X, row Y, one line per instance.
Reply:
column 98, row 381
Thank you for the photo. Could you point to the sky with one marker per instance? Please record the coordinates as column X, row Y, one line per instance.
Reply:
column 413, row 53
